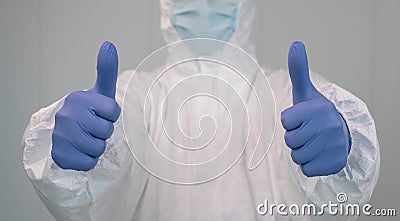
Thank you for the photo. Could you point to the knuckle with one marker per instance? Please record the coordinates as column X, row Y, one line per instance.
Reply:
column 342, row 162
column 306, row 171
column 76, row 161
column 295, row 157
column 287, row 139
column 76, row 99
column 87, row 164
column 55, row 136
column 330, row 105
column 285, row 112
column 283, row 115
column 326, row 106
column 61, row 116
column 338, row 165
column 284, row 122
column 73, row 96
column 56, row 157
column 109, row 129
column 100, row 148
column 115, row 110
column 327, row 103
column 59, row 159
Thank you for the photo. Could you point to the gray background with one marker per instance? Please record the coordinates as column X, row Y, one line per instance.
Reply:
column 48, row 48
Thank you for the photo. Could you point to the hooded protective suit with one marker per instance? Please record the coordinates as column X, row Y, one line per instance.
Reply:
column 118, row 188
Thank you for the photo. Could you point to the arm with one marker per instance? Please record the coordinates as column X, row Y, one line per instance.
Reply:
column 106, row 192
column 320, row 127
column 359, row 177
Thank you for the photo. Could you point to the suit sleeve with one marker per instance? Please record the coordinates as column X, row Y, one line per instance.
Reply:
column 358, row 179
column 108, row 192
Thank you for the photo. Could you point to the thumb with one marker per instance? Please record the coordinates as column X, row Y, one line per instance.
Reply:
column 302, row 87
column 107, row 70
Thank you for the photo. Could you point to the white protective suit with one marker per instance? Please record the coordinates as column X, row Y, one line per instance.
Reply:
column 118, row 188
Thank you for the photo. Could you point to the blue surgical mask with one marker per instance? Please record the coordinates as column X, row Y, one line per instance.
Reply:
column 214, row 19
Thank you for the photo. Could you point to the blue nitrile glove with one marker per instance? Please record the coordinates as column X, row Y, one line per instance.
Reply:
column 86, row 119
column 315, row 131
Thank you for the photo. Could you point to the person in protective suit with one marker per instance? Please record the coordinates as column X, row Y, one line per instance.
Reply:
column 79, row 162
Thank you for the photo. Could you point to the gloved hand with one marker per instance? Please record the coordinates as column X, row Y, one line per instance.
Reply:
column 315, row 131
column 86, row 119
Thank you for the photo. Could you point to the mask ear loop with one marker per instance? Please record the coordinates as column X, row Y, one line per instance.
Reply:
column 236, row 22
column 172, row 18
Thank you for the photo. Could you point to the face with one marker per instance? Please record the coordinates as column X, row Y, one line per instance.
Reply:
column 214, row 19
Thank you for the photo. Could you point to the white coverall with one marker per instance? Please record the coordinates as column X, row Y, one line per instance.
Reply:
column 118, row 188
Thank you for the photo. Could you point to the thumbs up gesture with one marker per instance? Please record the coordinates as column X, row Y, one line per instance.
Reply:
column 86, row 119
column 315, row 131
